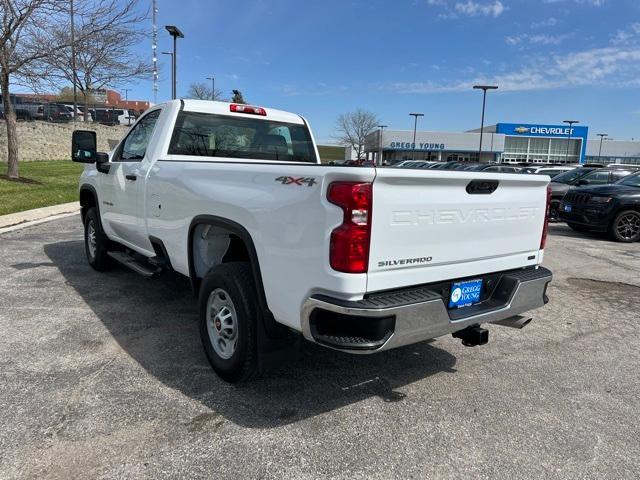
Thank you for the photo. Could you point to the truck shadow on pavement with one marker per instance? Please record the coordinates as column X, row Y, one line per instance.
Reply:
column 156, row 323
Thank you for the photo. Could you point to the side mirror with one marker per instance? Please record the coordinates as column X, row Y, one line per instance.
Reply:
column 84, row 146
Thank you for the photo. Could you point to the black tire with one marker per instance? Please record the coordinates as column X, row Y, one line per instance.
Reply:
column 577, row 228
column 232, row 281
column 97, row 256
column 554, row 211
column 626, row 226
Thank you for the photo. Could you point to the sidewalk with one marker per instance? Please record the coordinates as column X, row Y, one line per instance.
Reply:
column 15, row 221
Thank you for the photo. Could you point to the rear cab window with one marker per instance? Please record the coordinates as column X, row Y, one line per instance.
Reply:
column 225, row 136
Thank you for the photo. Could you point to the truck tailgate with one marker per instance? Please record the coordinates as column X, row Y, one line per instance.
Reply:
column 430, row 226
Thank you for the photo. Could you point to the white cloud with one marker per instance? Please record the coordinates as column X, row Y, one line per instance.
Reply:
column 469, row 8
column 549, row 22
column 540, row 39
column 472, row 9
column 626, row 35
column 614, row 66
column 593, row 3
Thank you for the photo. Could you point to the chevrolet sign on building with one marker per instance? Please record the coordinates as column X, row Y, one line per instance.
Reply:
column 504, row 143
column 542, row 143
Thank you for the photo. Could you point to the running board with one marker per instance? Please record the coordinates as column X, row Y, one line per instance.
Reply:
column 129, row 261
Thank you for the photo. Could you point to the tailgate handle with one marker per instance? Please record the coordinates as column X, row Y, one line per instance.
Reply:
column 482, row 187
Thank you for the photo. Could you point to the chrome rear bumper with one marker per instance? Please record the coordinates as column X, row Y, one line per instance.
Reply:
column 421, row 314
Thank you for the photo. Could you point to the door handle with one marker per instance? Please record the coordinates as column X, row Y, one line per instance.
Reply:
column 131, row 177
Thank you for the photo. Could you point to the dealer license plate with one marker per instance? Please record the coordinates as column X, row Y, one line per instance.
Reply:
column 464, row 294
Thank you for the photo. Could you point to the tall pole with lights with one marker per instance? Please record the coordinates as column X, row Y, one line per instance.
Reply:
column 173, row 82
column 73, row 61
column 381, row 127
column 175, row 33
column 570, row 123
column 601, row 135
column 484, row 89
column 213, row 87
column 126, row 104
column 154, row 49
column 415, row 128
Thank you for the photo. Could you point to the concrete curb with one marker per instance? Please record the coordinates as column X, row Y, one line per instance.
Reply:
column 15, row 221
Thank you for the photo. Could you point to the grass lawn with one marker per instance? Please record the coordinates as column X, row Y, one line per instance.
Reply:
column 42, row 184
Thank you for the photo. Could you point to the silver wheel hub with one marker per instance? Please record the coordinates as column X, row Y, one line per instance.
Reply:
column 629, row 226
column 92, row 243
column 222, row 323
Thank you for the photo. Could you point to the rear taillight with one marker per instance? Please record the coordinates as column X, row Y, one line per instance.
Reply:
column 545, row 228
column 349, row 248
column 239, row 108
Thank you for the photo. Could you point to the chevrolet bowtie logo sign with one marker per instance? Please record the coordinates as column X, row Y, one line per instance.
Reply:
column 521, row 129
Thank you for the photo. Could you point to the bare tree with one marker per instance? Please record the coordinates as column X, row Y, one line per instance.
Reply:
column 106, row 31
column 353, row 127
column 25, row 43
column 200, row 91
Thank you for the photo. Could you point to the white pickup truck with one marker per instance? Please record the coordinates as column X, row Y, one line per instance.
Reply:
column 356, row 259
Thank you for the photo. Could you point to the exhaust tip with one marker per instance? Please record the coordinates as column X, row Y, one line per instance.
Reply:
column 518, row 322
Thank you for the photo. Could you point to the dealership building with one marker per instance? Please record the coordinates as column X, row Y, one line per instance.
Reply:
column 502, row 143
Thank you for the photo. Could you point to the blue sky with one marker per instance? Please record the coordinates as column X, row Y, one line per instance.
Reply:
column 553, row 59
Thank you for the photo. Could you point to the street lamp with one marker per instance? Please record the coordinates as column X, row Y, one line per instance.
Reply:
column 175, row 33
column 213, row 87
column 570, row 123
column 415, row 127
column 601, row 135
column 484, row 89
column 173, row 83
column 381, row 127
column 126, row 104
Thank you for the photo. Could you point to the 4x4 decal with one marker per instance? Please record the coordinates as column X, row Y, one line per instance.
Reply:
column 308, row 181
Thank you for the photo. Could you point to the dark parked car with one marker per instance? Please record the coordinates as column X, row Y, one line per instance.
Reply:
column 614, row 208
column 53, row 112
column 560, row 185
column 595, row 176
column 492, row 167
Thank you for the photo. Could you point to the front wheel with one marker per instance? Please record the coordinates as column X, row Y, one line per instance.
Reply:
column 626, row 226
column 554, row 209
column 228, row 321
column 96, row 243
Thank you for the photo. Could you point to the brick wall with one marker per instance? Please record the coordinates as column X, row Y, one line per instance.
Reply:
column 52, row 141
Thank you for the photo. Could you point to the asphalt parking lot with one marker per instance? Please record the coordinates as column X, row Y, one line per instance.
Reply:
column 103, row 376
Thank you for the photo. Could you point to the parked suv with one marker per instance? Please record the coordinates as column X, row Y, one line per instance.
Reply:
column 614, row 208
column 561, row 184
column 53, row 112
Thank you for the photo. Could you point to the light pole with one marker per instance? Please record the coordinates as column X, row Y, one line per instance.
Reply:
column 126, row 104
column 415, row 127
column 175, row 33
column 381, row 127
column 570, row 123
column 173, row 82
column 213, row 87
column 601, row 135
column 73, row 63
column 484, row 89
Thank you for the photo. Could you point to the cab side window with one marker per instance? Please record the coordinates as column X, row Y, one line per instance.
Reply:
column 598, row 178
column 135, row 145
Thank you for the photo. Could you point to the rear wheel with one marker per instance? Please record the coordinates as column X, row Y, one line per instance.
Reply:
column 554, row 208
column 96, row 243
column 228, row 320
column 626, row 226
